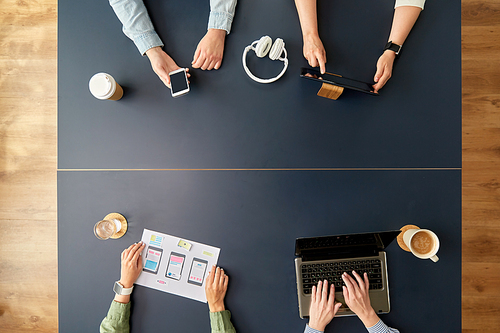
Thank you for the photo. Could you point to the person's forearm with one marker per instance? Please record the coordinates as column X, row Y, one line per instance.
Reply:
column 307, row 16
column 122, row 299
column 402, row 23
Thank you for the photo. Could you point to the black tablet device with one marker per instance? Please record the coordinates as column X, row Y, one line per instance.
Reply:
column 337, row 80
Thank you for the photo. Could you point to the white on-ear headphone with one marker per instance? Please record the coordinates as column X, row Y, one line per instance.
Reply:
column 262, row 47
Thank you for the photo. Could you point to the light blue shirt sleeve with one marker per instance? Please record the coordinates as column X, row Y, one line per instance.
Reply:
column 136, row 23
column 138, row 27
column 221, row 14
column 311, row 330
column 380, row 327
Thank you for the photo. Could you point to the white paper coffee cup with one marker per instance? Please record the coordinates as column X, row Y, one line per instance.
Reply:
column 104, row 86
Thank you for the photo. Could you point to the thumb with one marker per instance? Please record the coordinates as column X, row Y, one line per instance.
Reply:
column 378, row 74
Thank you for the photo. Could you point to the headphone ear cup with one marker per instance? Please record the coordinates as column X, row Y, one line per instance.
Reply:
column 277, row 49
column 263, row 46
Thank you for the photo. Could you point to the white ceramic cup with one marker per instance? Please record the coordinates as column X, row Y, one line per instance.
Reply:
column 104, row 86
column 413, row 234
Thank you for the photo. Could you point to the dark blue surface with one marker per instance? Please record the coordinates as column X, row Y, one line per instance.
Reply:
column 254, row 217
column 229, row 121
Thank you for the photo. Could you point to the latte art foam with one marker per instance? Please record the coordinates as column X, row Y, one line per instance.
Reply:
column 422, row 243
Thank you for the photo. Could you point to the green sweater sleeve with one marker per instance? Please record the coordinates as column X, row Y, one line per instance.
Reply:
column 117, row 320
column 221, row 322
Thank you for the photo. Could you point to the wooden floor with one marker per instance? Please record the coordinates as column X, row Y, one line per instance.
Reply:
column 28, row 154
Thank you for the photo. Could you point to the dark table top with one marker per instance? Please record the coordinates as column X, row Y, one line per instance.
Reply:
column 230, row 121
column 254, row 217
column 227, row 122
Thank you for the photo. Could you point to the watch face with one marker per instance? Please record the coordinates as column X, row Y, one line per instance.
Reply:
column 393, row 47
column 117, row 288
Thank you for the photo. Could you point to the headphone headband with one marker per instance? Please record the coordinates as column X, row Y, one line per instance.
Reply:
column 263, row 47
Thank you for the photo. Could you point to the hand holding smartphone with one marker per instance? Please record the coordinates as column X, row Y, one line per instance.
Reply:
column 179, row 84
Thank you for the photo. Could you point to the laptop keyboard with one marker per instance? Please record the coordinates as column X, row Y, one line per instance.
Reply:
column 332, row 272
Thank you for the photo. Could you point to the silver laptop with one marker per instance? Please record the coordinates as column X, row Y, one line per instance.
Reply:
column 327, row 257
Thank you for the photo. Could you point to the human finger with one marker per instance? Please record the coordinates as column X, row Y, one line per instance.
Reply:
column 132, row 250
column 322, row 67
column 211, row 66
column 360, row 281
column 336, row 307
column 349, row 282
column 367, row 284
column 346, row 294
column 217, row 275
column 322, row 62
column 205, row 65
column 126, row 251
column 211, row 276
column 383, row 80
column 196, row 56
column 312, row 61
column 324, row 292
column 220, row 282
column 199, row 61
column 138, row 251
column 331, row 297
column 319, row 290
column 313, row 294
column 378, row 73
column 139, row 261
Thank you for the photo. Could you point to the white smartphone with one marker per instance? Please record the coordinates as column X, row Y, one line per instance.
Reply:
column 153, row 258
column 175, row 264
column 179, row 84
column 197, row 273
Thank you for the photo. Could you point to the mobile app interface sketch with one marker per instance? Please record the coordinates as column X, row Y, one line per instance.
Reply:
column 175, row 264
column 197, row 273
column 153, row 257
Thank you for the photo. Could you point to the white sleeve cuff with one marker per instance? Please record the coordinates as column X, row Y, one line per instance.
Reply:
column 414, row 3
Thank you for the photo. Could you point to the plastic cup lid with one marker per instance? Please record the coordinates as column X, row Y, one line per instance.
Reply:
column 102, row 85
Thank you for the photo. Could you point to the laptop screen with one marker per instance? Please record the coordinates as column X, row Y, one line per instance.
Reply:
column 342, row 245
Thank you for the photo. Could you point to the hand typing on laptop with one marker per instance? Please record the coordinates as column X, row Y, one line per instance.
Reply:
column 323, row 306
column 357, row 298
column 356, row 295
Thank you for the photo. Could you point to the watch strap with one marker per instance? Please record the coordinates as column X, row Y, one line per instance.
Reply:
column 393, row 47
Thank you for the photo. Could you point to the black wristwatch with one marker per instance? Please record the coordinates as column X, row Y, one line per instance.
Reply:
column 393, row 47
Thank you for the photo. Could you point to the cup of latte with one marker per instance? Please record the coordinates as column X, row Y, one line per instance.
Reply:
column 424, row 244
